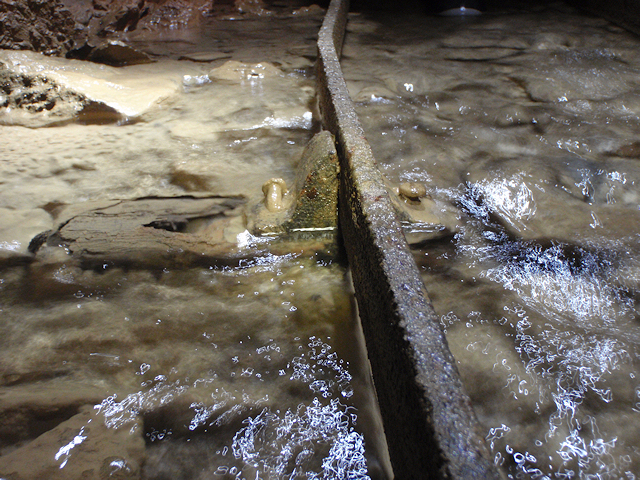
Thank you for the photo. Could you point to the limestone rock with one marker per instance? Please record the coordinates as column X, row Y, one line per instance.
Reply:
column 150, row 232
column 40, row 90
column 118, row 54
column 36, row 100
column 27, row 410
column 122, row 16
column 172, row 15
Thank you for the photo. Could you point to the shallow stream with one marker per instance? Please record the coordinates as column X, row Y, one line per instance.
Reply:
column 523, row 126
column 248, row 372
column 250, row 367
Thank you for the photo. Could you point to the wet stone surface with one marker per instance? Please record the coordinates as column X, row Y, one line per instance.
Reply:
column 205, row 128
column 39, row 26
column 152, row 232
column 312, row 203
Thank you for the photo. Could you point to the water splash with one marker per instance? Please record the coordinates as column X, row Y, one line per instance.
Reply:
column 317, row 439
column 272, row 443
column 572, row 328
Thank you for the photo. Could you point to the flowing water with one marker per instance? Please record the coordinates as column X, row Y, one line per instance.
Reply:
column 523, row 127
column 252, row 367
column 218, row 127
column 247, row 372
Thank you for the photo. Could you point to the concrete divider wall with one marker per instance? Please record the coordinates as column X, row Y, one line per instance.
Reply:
column 431, row 429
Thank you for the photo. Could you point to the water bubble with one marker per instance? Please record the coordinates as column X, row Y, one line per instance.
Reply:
column 221, row 470
column 297, row 431
column 115, row 467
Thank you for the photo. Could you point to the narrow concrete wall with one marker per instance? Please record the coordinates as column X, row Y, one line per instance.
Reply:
column 430, row 426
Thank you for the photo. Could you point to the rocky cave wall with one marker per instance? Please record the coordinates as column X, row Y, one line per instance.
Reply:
column 58, row 27
column 39, row 25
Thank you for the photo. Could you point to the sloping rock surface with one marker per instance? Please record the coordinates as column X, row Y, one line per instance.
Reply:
column 38, row 90
column 149, row 231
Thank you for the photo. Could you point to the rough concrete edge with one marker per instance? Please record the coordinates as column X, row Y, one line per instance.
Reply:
column 430, row 425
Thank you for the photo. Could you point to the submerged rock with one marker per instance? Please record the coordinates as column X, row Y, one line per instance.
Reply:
column 578, row 74
column 150, row 231
column 233, row 70
column 36, row 403
column 82, row 447
column 118, row 54
column 570, row 200
column 19, row 226
column 629, row 150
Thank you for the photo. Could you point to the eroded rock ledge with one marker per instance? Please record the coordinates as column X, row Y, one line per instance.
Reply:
column 38, row 25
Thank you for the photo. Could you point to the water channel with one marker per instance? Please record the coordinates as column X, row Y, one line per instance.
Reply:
column 522, row 127
column 247, row 364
